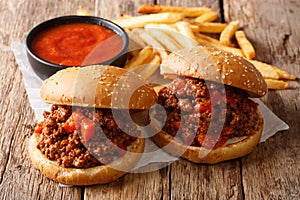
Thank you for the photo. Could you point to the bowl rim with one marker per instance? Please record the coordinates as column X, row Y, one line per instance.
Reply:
column 72, row 19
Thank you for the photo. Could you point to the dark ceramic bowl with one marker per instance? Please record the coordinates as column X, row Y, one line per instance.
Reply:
column 44, row 68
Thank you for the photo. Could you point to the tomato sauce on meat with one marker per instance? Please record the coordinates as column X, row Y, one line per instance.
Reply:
column 77, row 137
column 188, row 102
column 77, row 44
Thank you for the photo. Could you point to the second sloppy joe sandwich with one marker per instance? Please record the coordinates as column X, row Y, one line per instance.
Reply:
column 209, row 114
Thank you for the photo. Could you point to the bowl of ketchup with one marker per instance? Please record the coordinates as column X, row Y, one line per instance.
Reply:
column 75, row 41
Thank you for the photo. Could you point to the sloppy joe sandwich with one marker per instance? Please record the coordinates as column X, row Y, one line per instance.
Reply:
column 210, row 116
column 90, row 135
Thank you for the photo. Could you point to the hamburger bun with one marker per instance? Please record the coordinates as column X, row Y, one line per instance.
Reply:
column 99, row 87
column 215, row 65
column 103, row 87
column 95, row 175
column 232, row 149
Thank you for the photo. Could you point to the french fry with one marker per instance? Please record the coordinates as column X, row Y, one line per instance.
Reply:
column 207, row 17
column 149, row 68
column 167, row 27
column 163, row 31
column 195, row 28
column 245, row 44
column 228, row 32
column 185, row 29
column 208, row 38
column 141, row 21
column 82, row 12
column 142, row 57
column 150, row 40
column 209, row 27
column 164, row 39
column 283, row 74
column 187, row 11
column 136, row 38
column 271, row 72
column 211, row 42
column 276, row 84
column 267, row 71
column 173, row 32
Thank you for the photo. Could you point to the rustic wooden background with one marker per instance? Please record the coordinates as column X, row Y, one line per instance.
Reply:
column 270, row 172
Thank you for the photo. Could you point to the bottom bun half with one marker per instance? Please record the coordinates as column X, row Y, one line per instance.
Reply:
column 90, row 176
column 210, row 156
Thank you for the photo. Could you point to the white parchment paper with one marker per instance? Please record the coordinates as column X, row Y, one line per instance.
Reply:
column 155, row 155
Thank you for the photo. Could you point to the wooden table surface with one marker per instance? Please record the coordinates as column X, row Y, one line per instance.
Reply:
column 270, row 172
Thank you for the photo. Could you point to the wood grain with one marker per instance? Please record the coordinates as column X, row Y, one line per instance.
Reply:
column 131, row 186
column 270, row 172
column 18, row 178
column 134, row 184
column 195, row 181
column 191, row 181
column 114, row 8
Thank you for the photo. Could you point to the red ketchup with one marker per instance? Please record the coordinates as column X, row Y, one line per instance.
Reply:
column 77, row 44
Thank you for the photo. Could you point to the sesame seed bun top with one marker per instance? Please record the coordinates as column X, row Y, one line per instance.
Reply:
column 215, row 65
column 98, row 86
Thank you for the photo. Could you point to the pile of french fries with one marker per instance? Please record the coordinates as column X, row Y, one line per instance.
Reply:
column 164, row 29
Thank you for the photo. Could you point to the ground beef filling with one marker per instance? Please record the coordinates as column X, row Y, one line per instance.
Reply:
column 190, row 113
column 84, row 137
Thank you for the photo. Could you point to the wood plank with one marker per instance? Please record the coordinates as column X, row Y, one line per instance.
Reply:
column 187, row 3
column 114, row 8
column 131, row 186
column 18, row 178
column 199, row 181
column 266, row 173
column 150, row 185
column 272, row 171
column 192, row 181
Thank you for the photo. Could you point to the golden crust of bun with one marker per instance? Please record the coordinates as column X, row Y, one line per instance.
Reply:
column 91, row 176
column 210, row 156
column 98, row 86
column 215, row 65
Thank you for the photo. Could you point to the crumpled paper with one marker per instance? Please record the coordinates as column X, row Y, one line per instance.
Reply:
column 155, row 157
